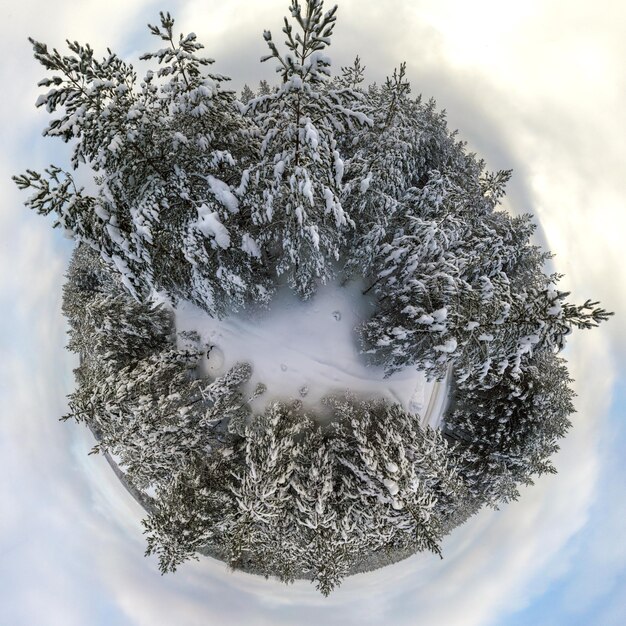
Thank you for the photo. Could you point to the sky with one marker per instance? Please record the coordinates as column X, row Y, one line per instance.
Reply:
column 538, row 87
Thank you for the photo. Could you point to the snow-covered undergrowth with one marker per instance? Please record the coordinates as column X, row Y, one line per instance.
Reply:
column 307, row 350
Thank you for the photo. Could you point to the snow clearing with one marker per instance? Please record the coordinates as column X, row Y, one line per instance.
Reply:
column 307, row 350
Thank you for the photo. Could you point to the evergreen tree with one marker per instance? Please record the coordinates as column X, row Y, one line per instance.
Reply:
column 165, row 153
column 461, row 285
column 505, row 434
column 352, row 76
column 324, row 548
column 398, row 475
column 406, row 141
column 264, row 88
column 137, row 390
column 262, row 528
column 187, row 513
column 246, row 94
column 153, row 414
column 293, row 193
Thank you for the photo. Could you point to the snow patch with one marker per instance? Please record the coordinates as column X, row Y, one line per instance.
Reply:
column 365, row 183
column 448, row 346
column 307, row 191
column 223, row 194
column 115, row 144
column 392, row 486
column 209, row 225
column 339, row 169
column 249, row 246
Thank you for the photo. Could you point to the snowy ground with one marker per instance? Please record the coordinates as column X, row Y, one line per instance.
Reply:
column 308, row 350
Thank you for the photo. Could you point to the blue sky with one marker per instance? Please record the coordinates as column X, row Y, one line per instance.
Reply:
column 538, row 87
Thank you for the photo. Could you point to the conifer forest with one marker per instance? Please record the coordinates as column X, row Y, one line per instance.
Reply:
column 227, row 203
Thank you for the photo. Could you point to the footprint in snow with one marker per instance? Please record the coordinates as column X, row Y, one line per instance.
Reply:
column 215, row 359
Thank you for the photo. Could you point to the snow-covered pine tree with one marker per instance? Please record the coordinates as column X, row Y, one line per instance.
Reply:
column 325, row 548
column 264, row 88
column 352, row 76
column 108, row 330
column 512, row 308
column 288, row 520
column 506, row 434
column 246, row 94
column 407, row 140
column 328, row 559
column 293, row 193
column 117, row 408
column 261, row 530
column 86, row 277
column 151, row 415
column 188, row 511
column 419, row 281
column 227, row 402
column 124, row 331
column 136, row 390
column 209, row 138
column 398, row 477
column 164, row 156
column 459, row 283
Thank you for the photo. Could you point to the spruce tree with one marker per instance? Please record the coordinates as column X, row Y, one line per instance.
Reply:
column 164, row 153
column 188, row 511
column 505, row 435
column 293, row 193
